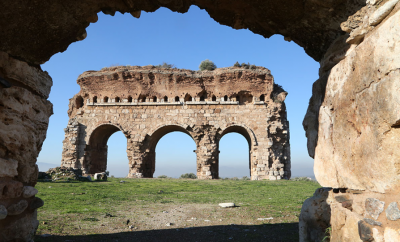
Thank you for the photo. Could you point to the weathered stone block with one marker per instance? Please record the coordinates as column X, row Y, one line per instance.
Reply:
column 17, row 208
column 10, row 189
column 8, row 167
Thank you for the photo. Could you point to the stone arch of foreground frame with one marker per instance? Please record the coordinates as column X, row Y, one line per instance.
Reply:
column 351, row 146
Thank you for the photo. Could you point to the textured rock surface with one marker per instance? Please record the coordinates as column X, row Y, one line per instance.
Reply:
column 358, row 118
column 393, row 212
column 313, row 24
column 17, row 208
column 374, row 207
column 145, row 103
column 3, row 212
column 24, row 116
column 315, row 216
column 29, row 191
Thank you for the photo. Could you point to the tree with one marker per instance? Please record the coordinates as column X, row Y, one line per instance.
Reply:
column 207, row 65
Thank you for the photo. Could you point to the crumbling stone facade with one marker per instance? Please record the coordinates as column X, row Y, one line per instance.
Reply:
column 146, row 103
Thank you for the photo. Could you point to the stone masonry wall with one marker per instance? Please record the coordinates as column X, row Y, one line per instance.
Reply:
column 24, row 117
column 145, row 103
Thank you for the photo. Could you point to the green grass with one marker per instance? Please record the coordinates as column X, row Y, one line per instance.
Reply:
column 88, row 208
column 83, row 197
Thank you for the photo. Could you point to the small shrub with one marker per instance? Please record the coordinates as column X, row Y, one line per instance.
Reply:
column 253, row 67
column 235, row 178
column 245, row 66
column 188, row 176
column 166, row 65
column 245, row 178
column 108, row 173
column 162, row 176
column 207, row 65
column 237, row 64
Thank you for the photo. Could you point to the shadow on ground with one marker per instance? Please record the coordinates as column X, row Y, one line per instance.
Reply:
column 285, row 232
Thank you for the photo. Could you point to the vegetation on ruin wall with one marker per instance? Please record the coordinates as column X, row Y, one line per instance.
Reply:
column 76, row 208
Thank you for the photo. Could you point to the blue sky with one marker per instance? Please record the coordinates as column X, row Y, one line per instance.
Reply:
column 183, row 40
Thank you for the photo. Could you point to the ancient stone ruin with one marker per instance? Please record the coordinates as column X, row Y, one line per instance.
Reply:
column 146, row 103
column 352, row 123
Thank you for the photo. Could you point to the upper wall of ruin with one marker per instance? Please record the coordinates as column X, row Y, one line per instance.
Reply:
column 134, row 84
column 55, row 24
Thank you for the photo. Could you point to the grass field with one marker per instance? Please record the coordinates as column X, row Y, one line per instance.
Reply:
column 171, row 210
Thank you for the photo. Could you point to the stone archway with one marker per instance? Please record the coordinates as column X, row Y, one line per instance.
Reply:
column 95, row 158
column 150, row 143
column 245, row 133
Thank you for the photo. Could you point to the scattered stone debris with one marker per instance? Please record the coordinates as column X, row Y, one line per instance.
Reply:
column 169, row 224
column 227, row 205
column 261, row 219
column 63, row 174
column 100, row 176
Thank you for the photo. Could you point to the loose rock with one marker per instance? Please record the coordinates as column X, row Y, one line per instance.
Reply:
column 374, row 207
column 393, row 212
column 227, row 205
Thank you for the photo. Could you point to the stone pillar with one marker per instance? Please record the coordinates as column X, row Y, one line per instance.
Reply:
column 207, row 153
column 141, row 160
column 70, row 145
column 24, row 117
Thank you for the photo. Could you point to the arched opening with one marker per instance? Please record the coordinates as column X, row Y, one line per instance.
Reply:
column 142, row 98
column 79, row 102
column 117, row 100
column 154, row 99
column 238, row 98
column 188, row 98
column 225, row 98
column 214, row 98
column 169, row 157
column 176, row 99
column 95, row 99
column 117, row 159
column 202, row 98
column 97, row 149
column 262, row 98
column 234, row 157
column 105, row 99
column 129, row 99
column 165, row 99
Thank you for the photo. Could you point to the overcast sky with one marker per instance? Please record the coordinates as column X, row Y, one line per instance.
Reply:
column 183, row 40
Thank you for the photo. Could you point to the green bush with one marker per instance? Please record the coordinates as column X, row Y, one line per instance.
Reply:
column 245, row 178
column 237, row 64
column 162, row 176
column 188, row 176
column 207, row 65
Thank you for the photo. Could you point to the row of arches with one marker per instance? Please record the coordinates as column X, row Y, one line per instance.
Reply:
column 242, row 99
column 98, row 148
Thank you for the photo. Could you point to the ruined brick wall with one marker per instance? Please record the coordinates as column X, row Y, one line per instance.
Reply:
column 145, row 103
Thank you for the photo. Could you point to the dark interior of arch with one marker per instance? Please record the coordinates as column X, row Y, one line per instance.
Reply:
column 46, row 27
column 98, row 148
